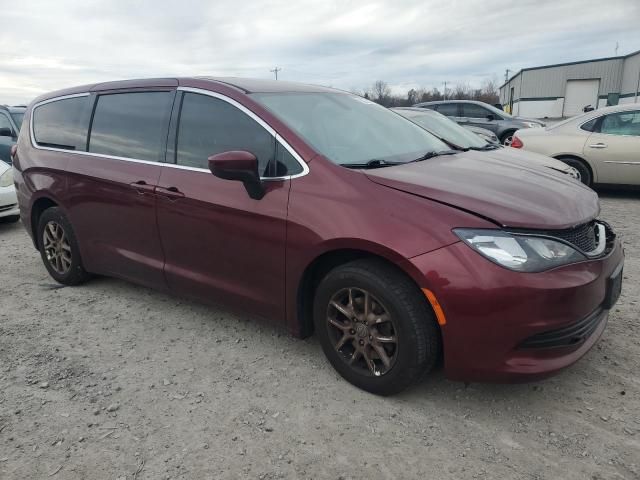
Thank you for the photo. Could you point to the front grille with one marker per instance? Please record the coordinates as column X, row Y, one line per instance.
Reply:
column 573, row 334
column 8, row 207
column 584, row 236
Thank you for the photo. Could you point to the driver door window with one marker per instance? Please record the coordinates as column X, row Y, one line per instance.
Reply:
column 209, row 126
column 473, row 111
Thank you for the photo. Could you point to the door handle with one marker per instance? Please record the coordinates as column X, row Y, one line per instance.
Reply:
column 143, row 187
column 172, row 193
column 598, row 145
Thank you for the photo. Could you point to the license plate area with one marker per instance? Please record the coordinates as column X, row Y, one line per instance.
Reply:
column 614, row 287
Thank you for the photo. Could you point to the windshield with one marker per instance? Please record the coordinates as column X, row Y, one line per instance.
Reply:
column 444, row 128
column 17, row 118
column 348, row 129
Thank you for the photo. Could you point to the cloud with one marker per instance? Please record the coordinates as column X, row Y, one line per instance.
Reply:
column 346, row 44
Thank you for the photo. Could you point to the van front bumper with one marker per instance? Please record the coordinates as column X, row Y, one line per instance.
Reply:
column 506, row 326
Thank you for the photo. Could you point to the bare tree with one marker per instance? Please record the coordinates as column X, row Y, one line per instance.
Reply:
column 489, row 91
column 381, row 93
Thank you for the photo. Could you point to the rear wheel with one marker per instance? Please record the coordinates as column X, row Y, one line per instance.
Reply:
column 584, row 174
column 59, row 248
column 375, row 326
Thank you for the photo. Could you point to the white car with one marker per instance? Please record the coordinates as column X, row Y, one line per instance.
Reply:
column 603, row 145
column 9, row 211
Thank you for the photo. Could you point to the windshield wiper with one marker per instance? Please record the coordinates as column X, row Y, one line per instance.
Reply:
column 429, row 155
column 488, row 146
column 375, row 163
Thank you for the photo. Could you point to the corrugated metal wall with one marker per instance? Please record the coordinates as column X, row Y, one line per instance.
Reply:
column 630, row 75
column 551, row 82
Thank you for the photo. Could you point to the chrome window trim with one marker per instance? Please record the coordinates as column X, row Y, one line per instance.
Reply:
column 265, row 125
column 623, row 163
column 259, row 120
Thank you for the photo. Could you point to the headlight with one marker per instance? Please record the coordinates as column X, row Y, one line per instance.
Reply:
column 531, row 125
column 522, row 253
column 6, row 179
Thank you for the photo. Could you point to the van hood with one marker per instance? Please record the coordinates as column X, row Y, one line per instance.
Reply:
column 507, row 191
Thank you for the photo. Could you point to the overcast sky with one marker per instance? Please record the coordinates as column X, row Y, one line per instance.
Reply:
column 46, row 45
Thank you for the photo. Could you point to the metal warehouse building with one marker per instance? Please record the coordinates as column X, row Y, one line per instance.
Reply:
column 563, row 90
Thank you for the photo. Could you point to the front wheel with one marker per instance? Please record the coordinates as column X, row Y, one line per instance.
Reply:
column 59, row 248
column 507, row 139
column 375, row 326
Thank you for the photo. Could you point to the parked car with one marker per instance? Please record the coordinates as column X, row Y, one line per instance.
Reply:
column 480, row 114
column 325, row 212
column 603, row 145
column 460, row 138
column 9, row 211
column 10, row 121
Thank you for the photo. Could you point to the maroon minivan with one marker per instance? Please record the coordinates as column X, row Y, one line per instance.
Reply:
column 326, row 212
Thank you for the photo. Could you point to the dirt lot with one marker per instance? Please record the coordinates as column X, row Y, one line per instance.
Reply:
column 110, row 379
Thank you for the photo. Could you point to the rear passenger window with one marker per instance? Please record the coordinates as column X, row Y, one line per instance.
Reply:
column 209, row 126
column 62, row 123
column 448, row 109
column 131, row 125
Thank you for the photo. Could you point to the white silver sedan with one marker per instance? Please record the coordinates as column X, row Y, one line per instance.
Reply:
column 9, row 211
column 603, row 145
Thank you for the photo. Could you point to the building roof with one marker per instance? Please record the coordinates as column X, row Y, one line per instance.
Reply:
column 604, row 59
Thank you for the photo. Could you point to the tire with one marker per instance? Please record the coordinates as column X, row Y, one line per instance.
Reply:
column 507, row 138
column 583, row 169
column 68, row 268
column 397, row 310
column 10, row 219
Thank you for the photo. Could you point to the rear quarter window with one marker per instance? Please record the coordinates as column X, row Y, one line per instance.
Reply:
column 62, row 123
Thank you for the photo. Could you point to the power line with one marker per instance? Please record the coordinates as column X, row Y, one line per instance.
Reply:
column 275, row 70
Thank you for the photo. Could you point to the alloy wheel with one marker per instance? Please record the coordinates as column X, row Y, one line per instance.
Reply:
column 56, row 247
column 362, row 331
column 508, row 140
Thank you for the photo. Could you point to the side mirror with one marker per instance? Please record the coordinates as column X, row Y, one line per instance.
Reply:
column 241, row 166
column 491, row 117
column 6, row 132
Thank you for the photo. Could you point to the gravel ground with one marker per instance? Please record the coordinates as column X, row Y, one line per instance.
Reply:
column 109, row 379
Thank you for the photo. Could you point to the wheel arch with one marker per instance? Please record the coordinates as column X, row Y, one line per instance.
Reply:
column 37, row 208
column 573, row 156
column 326, row 261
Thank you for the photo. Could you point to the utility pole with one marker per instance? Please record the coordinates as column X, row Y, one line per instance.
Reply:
column 506, row 75
column 617, row 46
column 275, row 70
column 444, row 94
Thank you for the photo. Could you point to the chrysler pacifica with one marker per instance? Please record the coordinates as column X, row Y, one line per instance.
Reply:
column 326, row 213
